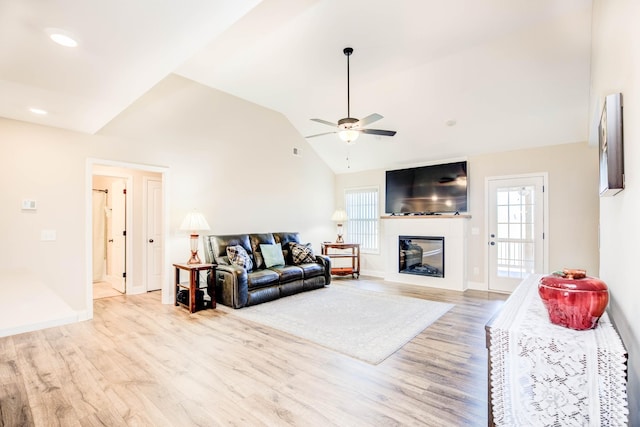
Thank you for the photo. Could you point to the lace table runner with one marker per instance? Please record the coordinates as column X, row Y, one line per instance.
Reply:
column 548, row 375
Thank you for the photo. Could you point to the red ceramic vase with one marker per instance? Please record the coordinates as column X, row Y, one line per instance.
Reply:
column 573, row 302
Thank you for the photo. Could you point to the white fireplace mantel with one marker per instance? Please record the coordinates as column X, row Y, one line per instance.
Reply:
column 454, row 230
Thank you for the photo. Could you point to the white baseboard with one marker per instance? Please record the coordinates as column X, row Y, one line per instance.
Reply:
column 372, row 273
column 30, row 327
column 477, row 286
column 84, row 315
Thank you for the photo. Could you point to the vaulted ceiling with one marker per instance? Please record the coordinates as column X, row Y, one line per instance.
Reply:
column 453, row 78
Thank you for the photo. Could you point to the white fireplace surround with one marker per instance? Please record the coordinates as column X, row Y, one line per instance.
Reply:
column 454, row 230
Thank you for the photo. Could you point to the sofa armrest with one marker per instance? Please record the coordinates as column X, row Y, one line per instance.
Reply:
column 325, row 261
column 231, row 286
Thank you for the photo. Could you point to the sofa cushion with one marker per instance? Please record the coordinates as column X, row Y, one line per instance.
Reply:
column 262, row 278
column 216, row 247
column 301, row 254
column 312, row 269
column 285, row 238
column 239, row 256
column 272, row 255
column 288, row 273
column 257, row 240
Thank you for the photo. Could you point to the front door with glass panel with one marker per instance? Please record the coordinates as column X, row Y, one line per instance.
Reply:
column 516, row 230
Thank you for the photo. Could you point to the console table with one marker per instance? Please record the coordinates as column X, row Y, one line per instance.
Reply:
column 545, row 374
column 346, row 250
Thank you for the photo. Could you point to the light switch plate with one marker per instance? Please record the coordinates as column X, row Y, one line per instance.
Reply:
column 48, row 235
column 28, row 205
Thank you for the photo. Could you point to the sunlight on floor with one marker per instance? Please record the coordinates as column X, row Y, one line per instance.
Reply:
column 104, row 290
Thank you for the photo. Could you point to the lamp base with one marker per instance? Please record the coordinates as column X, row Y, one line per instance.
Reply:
column 339, row 239
column 195, row 259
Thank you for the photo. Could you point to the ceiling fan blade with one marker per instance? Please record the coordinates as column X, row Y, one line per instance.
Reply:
column 319, row 134
column 379, row 132
column 369, row 119
column 324, row 122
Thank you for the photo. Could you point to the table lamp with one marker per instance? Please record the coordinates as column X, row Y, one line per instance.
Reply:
column 339, row 216
column 194, row 222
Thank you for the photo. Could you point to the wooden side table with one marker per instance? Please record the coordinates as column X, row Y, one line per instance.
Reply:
column 193, row 285
column 354, row 255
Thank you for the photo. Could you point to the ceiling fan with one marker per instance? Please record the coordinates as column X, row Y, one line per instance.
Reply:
column 349, row 128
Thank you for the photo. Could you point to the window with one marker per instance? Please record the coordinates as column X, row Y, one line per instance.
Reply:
column 362, row 210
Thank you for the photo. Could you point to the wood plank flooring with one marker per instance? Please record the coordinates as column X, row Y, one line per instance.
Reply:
column 141, row 363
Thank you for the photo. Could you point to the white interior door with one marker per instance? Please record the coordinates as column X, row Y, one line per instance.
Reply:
column 119, row 231
column 516, row 226
column 154, row 235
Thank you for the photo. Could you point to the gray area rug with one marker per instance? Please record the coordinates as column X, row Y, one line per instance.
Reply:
column 366, row 325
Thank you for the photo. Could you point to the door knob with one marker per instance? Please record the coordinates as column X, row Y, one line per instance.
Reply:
column 493, row 235
column 492, row 243
column 110, row 240
column 150, row 240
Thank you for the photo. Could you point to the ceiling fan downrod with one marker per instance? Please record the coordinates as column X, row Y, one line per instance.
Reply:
column 348, row 51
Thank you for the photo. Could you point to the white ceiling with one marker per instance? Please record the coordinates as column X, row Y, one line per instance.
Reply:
column 510, row 73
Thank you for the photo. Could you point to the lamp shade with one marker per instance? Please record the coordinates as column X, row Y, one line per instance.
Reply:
column 194, row 221
column 339, row 216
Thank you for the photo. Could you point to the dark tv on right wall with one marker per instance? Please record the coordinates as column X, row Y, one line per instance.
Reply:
column 611, row 146
column 430, row 189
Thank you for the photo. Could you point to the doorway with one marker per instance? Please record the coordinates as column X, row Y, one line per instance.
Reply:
column 517, row 226
column 109, row 234
column 134, row 183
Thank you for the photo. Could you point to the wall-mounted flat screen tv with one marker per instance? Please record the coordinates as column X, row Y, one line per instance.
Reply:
column 427, row 190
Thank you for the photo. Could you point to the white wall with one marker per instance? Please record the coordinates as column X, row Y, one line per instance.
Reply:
column 229, row 158
column 615, row 68
column 573, row 200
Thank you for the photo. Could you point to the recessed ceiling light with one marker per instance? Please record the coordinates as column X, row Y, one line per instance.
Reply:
column 63, row 38
column 39, row 111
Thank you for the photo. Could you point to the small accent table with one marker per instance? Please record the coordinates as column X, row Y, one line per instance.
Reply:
column 545, row 374
column 193, row 285
column 354, row 255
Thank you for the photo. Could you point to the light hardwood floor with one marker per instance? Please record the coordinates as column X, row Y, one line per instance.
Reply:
column 139, row 362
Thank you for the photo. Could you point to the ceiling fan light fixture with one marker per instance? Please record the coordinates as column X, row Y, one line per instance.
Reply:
column 348, row 135
column 350, row 128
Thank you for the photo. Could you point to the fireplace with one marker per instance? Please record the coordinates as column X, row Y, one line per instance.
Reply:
column 421, row 255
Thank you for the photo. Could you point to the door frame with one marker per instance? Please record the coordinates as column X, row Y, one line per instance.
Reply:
column 545, row 219
column 89, row 172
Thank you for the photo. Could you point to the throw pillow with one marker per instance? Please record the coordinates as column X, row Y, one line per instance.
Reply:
column 272, row 255
column 301, row 254
column 239, row 256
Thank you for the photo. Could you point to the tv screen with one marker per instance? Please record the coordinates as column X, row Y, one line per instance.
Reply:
column 427, row 189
